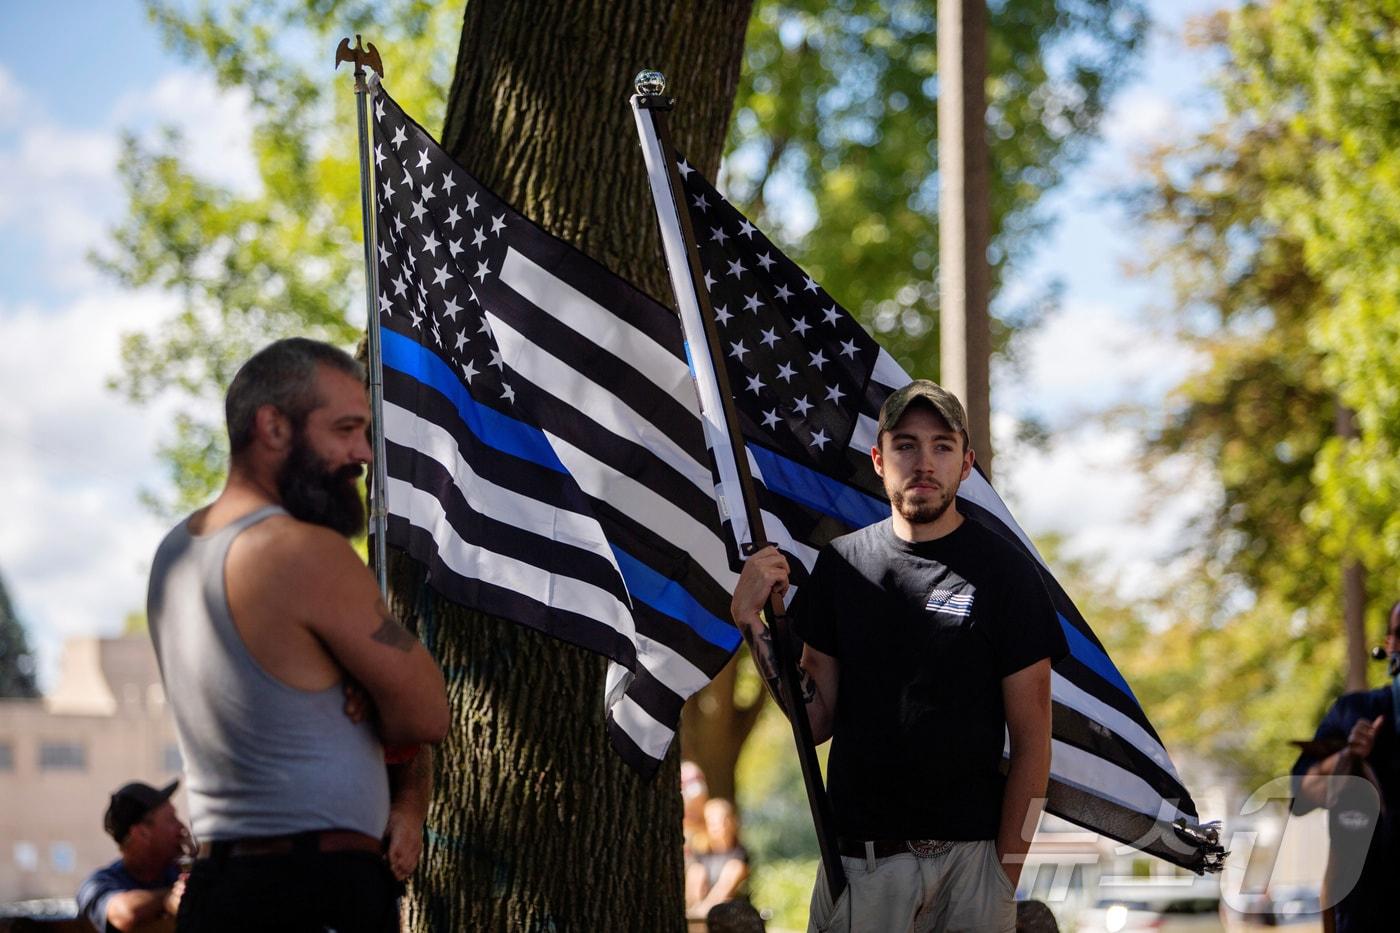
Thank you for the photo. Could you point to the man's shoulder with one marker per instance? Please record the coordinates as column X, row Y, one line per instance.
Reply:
column 994, row 548
column 861, row 540
column 1362, row 703
column 855, row 551
column 286, row 542
column 300, row 567
column 113, row 877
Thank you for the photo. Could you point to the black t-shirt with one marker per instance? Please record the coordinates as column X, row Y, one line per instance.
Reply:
column 924, row 633
column 1356, row 835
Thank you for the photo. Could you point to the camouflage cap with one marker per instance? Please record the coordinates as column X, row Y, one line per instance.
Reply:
column 943, row 402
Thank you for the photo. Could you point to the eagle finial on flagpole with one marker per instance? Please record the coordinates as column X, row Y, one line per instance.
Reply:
column 360, row 56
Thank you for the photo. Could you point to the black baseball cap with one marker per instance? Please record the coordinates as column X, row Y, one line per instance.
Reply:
column 130, row 804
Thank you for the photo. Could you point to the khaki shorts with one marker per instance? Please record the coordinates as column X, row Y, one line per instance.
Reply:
column 963, row 889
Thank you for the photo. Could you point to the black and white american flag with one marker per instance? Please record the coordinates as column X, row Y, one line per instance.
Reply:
column 545, row 458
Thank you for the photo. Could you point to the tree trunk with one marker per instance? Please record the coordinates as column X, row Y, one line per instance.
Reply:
column 536, row 824
column 1353, row 587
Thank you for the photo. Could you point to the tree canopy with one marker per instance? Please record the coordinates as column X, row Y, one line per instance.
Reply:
column 16, row 660
column 1278, row 226
column 837, row 111
column 835, row 114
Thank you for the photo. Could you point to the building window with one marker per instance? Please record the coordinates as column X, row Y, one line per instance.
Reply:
column 7, row 756
column 26, row 856
column 63, row 857
column 62, row 756
column 170, row 758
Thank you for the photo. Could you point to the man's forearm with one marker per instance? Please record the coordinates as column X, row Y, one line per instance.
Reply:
column 818, row 706
column 1313, row 787
column 411, row 783
column 1021, row 803
column 130, row 908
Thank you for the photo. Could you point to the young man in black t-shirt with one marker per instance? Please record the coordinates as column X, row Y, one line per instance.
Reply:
column 928, row 646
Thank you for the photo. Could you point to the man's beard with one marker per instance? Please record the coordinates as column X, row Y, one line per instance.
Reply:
column 927, row 511
column 314, row 493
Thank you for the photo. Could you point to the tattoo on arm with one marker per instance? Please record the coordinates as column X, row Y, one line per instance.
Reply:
column 809, row 685
column 763, row 653
column 391, row 633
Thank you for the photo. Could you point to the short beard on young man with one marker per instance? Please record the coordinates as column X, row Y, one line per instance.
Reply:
column 925, row 513
column 314, row 493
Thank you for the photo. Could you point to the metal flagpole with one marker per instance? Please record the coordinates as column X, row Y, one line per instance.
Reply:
column 717, row 408
column 378, row 511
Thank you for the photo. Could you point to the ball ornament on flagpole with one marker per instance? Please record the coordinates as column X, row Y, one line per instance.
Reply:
column 650, row 83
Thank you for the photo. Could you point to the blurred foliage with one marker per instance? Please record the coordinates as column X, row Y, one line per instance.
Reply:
column 776, row 821
column 837, row 109
column 837, row 112
column 1328, row 73
column 783, row 889
column 1279, row 227
column 17, row 666
column 285, row 259
column 135, row 622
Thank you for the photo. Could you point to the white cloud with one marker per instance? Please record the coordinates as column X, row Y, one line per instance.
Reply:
column 1140, row 118
column 12, row 98
column 1088, row 486
column 59, row 185
column 76, row 542
column 216, row 124
column 1090, row 356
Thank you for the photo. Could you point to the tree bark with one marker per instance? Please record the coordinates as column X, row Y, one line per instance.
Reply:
column 536, row 824
column 1353, row 587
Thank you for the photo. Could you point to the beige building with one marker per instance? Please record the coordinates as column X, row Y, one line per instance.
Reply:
column 62, row 756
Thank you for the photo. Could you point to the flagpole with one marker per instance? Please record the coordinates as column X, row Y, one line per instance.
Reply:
column 378, row 511
column 650, row 106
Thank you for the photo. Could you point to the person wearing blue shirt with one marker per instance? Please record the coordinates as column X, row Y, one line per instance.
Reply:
column 1364, row 811
column 143, row 887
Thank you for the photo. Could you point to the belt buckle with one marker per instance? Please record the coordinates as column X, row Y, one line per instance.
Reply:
column 929, row 848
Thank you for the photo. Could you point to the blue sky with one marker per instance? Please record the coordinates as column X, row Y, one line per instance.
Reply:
column 75, row 542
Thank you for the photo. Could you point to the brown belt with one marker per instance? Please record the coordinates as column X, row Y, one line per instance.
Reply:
column 326, row 840
column 884, row 848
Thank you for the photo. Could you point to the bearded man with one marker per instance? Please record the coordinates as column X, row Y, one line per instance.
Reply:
column 261, row 613
column 928, row 644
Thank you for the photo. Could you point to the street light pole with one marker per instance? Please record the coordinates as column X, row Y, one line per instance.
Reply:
column 964, row 216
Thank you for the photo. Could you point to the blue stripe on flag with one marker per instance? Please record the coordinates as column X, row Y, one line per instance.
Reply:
column 499, row 431
column 817, row 491
column 669, row 597
column 1093, row 657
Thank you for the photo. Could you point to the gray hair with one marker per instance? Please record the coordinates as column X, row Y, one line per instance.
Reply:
column 283, row 375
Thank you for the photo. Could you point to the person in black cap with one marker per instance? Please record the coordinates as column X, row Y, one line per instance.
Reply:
column 143, row 885
column 928, row 643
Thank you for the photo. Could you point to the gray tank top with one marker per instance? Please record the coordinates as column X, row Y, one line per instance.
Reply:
column 261, row 758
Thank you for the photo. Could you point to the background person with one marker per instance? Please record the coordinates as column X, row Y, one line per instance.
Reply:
column 141, row 889
column 718, row 874
column 261, row 612
column 1363, row 724
column 694, row 795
